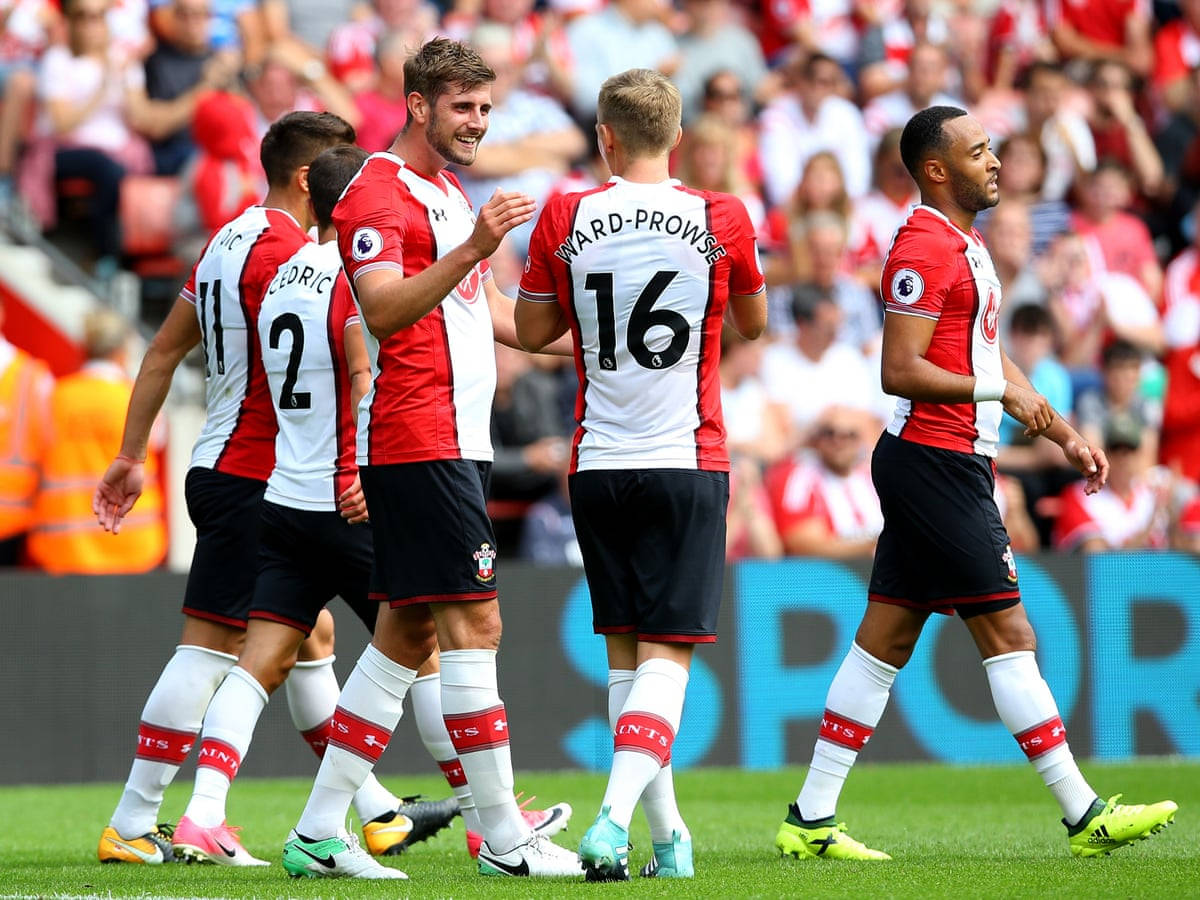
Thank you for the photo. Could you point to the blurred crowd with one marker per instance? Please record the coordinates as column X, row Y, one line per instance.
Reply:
column 793, row 105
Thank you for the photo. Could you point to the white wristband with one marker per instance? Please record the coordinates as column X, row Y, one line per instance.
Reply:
column 989, row 387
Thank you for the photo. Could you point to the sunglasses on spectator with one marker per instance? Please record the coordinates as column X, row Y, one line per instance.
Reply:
column 847, row 434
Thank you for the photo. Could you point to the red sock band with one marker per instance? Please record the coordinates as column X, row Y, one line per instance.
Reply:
column 221, row 756
column 317, row 737
column 844, row 732
column 482, row 730
column 644, row 733
column 1042, row 738
column 358, row 736
column 453, row 771
column 165, row 745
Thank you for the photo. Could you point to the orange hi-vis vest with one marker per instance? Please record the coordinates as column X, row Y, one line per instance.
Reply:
column 24, row 386
column 87, row 415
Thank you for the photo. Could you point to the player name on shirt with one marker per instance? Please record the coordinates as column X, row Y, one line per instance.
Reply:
column 302, row 275
column 700, row 238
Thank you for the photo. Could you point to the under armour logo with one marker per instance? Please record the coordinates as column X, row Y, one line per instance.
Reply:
column 439, row 215
column 499, row 725
column 371, row 741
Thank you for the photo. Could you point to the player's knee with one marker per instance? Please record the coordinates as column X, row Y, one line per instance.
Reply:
column 320, row 641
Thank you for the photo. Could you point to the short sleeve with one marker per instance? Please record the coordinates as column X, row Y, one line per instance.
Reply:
column 371, row 233
column 537, row 281
column 741, row 245
column 917, row 275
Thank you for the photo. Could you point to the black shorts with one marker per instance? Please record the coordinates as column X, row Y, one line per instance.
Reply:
column 433, row 538
column 305, row 559
column 653, row 545
column 226, row 510
column 943, row 546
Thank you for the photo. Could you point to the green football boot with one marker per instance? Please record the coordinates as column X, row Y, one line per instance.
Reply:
column 824, row 839
column 1111, row 825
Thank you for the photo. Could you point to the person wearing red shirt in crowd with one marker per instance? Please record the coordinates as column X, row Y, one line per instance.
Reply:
column 823, row 501
column 1103, row 29
column 1118, row 130
column 1180, row 445
column 1176, row 54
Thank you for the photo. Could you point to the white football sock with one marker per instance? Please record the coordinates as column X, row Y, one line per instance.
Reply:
column 170, row 721
column 224, row 739
column 368, row 710
column 1027, row 709
column 478, row 727
column 426, row 696
column 312, row 694
column 644, row 734
column 856, row 699
column 658, row 799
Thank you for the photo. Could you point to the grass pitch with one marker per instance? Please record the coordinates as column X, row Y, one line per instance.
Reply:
column 954, row 832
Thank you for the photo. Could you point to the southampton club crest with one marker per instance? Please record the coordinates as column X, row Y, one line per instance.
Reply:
column 485, row 563
column 1011, row 561
column 367, row 244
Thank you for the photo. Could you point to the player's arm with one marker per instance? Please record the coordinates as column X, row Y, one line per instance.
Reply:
column 121, row 484
column 748, row 314
column 391, row 300
column 352, row 504
column 504, row 323
column 1089, row 460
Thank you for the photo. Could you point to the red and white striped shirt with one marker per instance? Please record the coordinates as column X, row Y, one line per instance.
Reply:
column 643, row 273
column 801, row 489
column 936, row 270
column 431, row 396
column 227, row 286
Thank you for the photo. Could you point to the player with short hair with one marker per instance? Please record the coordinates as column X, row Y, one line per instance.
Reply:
column 943, row 547
column 231, row 461
column 313, row 546
column 416, row 258
column 643, row 271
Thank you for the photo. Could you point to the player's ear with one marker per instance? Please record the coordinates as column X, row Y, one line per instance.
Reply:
column 418, row 109
column 935, row 170
column 302, row 178
column 678, row 138
column 604, row 138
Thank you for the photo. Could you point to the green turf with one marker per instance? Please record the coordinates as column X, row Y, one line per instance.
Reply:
column 954, row 832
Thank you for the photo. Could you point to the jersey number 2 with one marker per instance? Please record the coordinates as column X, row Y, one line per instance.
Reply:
column 291, row 322
column 641, row 320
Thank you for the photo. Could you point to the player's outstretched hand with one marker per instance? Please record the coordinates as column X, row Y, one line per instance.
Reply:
column 1029, row 408
column 1091, row 461
column 503, row 212
column 117, row 491
column 352, row 504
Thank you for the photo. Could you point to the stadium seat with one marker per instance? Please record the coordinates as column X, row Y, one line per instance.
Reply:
column 148, row 205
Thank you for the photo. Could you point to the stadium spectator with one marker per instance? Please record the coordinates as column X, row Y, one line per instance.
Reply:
column 816, row 357
column 825, row 237
column 290, row 79
column 1118, row 130
column 649, row 483
column 822, row 499
column 1022, row 173
column 539, row 38
column 1181, row 405
column 1122, row 239
column 877, row 215
column 925, row 84
column 707, row 160
column 1009, row 233
column 749, row 529
column 1176, row 56
column 1092, row 306
column 804, row 120
column 383, row 107
column 308, row 23
column 943, row 547
column 235, row 25
column 822, row 188
column 621, row 35
column 548, row 532
column 86, row 411
column 182, row 68
column 1052, row 116
column 756, row 427
column 1178, row 142
column 128, row 25
column 231, row 462
column 715, row 41
column 890, row 32
column 25, row 386
column 353, row 52
column 1119, row 394
column 1090, row 30
column 531, row 139
column 1133, row 513
column 1186, row 533
column 28, row 26
column 788, row 26
column 726, row 97
column 425, row 433
column 1017, row 37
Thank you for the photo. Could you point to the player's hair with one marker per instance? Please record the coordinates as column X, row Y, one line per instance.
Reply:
column 328, row 176
column 296, row 139
column 924, row 135
column 441, row 63
column 643, row 109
